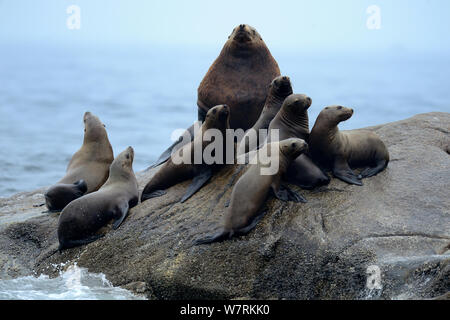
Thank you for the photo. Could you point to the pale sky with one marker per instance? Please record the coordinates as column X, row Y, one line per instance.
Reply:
column 303, row 25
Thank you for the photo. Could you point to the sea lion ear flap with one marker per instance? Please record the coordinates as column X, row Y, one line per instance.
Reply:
column 82, row 185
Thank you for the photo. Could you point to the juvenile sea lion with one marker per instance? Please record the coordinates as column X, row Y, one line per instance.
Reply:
column 342, row 150
column 279, row 89
column 251, row 190
column 239, row 77
column 173, row 172
column 292, row 122
column 88, row 168
column 82, row 219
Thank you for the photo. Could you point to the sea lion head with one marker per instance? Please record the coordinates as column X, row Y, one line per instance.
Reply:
column 293, row 147
column 336, row 114
column 60, row 195
column 94, row 129
column 244, row 38
column 281, row 87
column 218, row 117
column 122, row 165
column 296, row 104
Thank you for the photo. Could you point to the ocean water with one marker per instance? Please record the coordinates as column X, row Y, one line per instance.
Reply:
column 74, row 283
column 143, row 94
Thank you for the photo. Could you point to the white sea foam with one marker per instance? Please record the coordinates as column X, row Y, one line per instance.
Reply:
column 74, row 283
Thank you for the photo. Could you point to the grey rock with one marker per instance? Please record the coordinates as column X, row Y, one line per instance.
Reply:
column 399, row 222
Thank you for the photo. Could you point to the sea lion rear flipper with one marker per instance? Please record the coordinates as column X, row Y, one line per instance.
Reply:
column 203, row 175
column 342, row 171
column 370, row 172
column 284, row 193
column 120, row 212
column 177, row 144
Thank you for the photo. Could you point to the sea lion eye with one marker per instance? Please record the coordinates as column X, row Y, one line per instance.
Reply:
column 293, row 144
column 339, row 108
column 128, row 156
column 214, row 111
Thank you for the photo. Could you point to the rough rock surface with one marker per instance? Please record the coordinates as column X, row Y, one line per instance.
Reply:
column 398, row 221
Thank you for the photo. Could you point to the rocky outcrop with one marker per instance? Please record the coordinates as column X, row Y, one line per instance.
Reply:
column 397, row 223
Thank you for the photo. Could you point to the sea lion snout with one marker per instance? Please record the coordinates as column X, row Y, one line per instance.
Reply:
column 130, row 151
column 225, row 111
column 309, row 101
column 243, row 33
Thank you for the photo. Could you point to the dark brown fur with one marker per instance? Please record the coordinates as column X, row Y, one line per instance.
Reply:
column 239, row 77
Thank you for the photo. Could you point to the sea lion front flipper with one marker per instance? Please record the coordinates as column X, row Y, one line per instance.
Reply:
column 284, row 193
column 342, row 171
column 82, row 186
column 177, row 144
column 76, row 243
column 252, row 224
column 202, row 176
column 120, row 212
column 370, row 172
column 218, row 237
column 154, row 194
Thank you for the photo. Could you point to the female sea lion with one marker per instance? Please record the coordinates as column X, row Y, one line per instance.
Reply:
column 292, row 122
column 82, row 219
column 342, row 150
column 252, row 189
column 239, row 78
column 279, row 89
column 88, row 168
column 173, row 172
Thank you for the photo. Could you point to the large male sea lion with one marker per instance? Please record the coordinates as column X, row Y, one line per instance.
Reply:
column 173, row 172
column 82, row 219
column 252, row 189
column 239, row 78
column 342, row 150
column 292, row 122
column 88, row 168
column 279, row 89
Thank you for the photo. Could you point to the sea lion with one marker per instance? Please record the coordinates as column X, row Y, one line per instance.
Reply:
column 88, row 168
column 239, row 77
column 252, row 189
column 173, row 172
column 342, row 150
column 292, row 122
column 279, row 89
column 82, row 219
